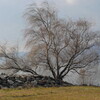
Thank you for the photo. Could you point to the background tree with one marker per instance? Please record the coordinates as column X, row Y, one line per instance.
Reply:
column 60, row 46
column 87, row 76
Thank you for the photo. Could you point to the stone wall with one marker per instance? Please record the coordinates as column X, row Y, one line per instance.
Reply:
column 27, row 81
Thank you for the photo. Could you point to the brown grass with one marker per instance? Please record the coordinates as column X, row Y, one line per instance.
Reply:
column 60, row 93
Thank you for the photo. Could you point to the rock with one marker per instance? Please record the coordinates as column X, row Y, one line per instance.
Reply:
column 10, row 82
column 19, row 81
column 1, row 86
column 11, row 86
column 34, row 83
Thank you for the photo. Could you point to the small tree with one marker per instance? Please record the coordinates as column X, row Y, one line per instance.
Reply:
column 59, row 45
column 87, row 76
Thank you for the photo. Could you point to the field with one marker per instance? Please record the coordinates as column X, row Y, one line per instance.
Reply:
column 55, row 93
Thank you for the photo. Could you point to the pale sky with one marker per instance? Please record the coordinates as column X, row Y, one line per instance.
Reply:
column 12, row 22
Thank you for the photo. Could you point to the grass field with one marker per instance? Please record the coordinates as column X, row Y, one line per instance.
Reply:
column 55, row 93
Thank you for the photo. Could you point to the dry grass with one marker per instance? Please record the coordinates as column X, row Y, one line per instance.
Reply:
column 61, row 93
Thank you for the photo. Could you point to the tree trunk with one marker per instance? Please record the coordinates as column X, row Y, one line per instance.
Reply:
column 59, row 81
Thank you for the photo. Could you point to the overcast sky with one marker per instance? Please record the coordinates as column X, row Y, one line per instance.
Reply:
column 12, row 22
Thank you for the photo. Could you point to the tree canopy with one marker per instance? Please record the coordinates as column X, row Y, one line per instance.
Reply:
column 58, row 44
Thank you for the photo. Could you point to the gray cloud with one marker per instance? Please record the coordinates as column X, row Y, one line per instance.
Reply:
column 11, row 11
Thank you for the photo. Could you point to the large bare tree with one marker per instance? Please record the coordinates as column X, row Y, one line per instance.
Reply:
column 59, row 45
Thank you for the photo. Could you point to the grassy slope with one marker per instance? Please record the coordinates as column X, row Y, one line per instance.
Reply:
column 62, row 93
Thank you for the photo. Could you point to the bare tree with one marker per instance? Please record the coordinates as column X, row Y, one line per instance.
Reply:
column 12, row 60
column 60, row 46
column 87, row 76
